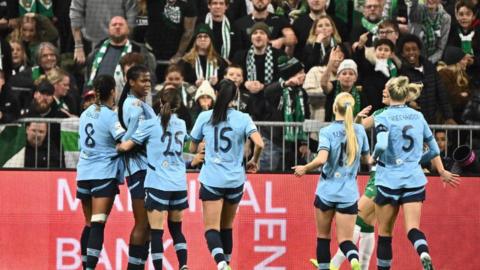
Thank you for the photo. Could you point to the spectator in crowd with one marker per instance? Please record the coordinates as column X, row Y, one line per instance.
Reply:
column 43, row 104
column 397, row 12
column 464, row 35
column 281, row 33
column 454, row 77
column 431, row 23
column 183, row 112
column 313, row 86
column 176, row 19
column 32, row 30
column 433, row 102
column 287, row 102
column 61, row 20
column 365, row 32
column 347, row 74
column 441, row 138
column 141, row 22
column 260, row 64
column 47, row 59
column 105, row 59
column 9, row 110
column 322, row 39
column 290, row 9
column 220, row 24
column 8, row 15
column 202, row 62
column 39, row 152
column 204, row 99
column 64, row 100
column 234, row 73
column 19, row 57
column 305, row 21
column 174, row 76
column 373, row 75
column 90, row 22
column 88, row 99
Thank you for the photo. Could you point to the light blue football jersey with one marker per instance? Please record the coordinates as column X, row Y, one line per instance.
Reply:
column 166, row 167
column 398, row 166
column 99, row 131
column 224, row 144
column 338, row 180
column 138, row 111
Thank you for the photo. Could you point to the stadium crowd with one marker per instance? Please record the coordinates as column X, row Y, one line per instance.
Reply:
column 291, row 58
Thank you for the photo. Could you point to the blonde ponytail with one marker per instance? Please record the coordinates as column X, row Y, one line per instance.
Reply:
column 343, row 105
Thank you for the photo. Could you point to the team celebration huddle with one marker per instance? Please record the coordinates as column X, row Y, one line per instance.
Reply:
column 148, row 150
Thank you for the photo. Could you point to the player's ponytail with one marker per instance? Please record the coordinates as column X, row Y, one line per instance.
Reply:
column 343, row 105
column 169, row 103
column 227, row 93
column 103, row 86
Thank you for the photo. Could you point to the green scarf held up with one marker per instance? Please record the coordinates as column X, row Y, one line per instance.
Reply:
column 431, row 32
column 466, row 40
column 392, row 68
column 298, row 115
column 356, row 96
column 371, row 27
column 43, row 7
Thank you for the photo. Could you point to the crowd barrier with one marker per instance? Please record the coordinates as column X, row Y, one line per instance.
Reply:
column 61, row 143
column 41, row 222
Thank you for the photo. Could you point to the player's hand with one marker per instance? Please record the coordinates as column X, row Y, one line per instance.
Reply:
column 365, row 112
column 252, row 166
column 450, row 178
column 299, row 170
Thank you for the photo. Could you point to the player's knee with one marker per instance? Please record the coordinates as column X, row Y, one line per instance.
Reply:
column 100, row 218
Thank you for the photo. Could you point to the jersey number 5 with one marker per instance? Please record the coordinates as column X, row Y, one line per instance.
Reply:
column 168, row 135
column 221, row 137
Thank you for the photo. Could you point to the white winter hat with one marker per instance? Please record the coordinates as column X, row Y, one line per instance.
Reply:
column 347, row 64
column 205, row 89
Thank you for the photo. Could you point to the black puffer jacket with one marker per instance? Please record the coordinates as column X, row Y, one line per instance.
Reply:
column 471, row 115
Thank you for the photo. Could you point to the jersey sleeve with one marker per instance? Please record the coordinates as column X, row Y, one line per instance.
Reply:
column 135, row 113
column 115, row 128
column 197, row 131
column 323, row 140
column 143, row 132
column 381, row 124
column 427, row 132
column 250, row 127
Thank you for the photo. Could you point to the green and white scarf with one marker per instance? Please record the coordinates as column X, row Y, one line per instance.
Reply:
column 387, row 67
column 466, row 41
column 356, row 96
column 27, row 6
column 212, row 69
column 298, row 114
column 99, row 57
column 252, row 68
column 322, row 47
column 431, row 32
column 44, row 7
column 225, row 51
column 390, row 8
column 371, row 27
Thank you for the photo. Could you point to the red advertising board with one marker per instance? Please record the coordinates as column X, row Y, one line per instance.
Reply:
column 41, row 222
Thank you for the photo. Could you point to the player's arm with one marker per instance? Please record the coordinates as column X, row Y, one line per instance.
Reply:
column 382, row 141
column 317, row 162
column 252, row 165
column 126, row 146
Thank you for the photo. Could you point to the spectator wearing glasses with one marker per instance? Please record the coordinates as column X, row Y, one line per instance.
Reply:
column 364, row 33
